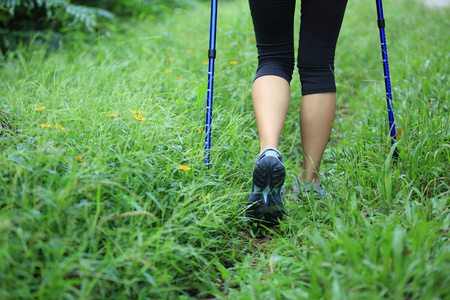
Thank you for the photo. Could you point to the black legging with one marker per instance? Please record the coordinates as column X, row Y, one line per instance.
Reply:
column 321, row 20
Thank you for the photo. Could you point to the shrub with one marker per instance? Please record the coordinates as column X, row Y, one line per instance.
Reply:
column 48, row 20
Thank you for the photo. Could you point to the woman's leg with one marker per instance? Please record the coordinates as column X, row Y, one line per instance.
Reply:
column 316, row 120
column 271, row 97
column 319, row 30
column 273, row 21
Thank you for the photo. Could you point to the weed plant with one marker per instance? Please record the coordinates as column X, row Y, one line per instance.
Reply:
column 104, row 192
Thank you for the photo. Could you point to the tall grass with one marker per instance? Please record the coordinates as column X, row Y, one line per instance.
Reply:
column 105, row 205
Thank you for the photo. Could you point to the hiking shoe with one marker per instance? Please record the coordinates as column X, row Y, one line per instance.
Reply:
column 318, row 191
column 265, row 200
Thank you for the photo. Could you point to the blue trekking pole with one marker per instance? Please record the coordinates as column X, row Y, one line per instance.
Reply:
column 387, row 80
column 211, row 56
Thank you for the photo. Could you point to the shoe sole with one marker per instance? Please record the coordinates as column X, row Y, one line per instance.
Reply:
column 266, row 196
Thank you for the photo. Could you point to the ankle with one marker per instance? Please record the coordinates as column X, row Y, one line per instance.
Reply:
column 265, row 146
column 309, row 176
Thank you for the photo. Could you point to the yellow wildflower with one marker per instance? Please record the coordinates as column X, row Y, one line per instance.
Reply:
column 233, row 62
column 46, row 125
column 206, row 62
column 59, row 127
column 137, row 112
column 177, row 77
column 40, row 108
column 140, row 118
column 112, row 115
column 184, row 168
column 168, row 71
column 79, row 158
column 190, row 50
column 198, row 129
column 170, row 59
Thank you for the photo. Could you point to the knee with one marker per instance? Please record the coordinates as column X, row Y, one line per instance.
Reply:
column 317, row 79
column 276, row 63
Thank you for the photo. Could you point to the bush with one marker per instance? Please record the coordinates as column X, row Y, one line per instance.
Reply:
column 134, row 8
column 48, row 20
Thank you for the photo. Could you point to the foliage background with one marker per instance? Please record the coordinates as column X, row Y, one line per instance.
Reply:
column 51, row 21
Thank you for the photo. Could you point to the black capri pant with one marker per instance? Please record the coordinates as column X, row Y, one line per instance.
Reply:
column 321, row 20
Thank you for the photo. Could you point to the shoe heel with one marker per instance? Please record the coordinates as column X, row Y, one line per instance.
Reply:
column 270, row 172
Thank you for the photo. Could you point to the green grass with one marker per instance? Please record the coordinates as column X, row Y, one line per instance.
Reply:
column 101, row 209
